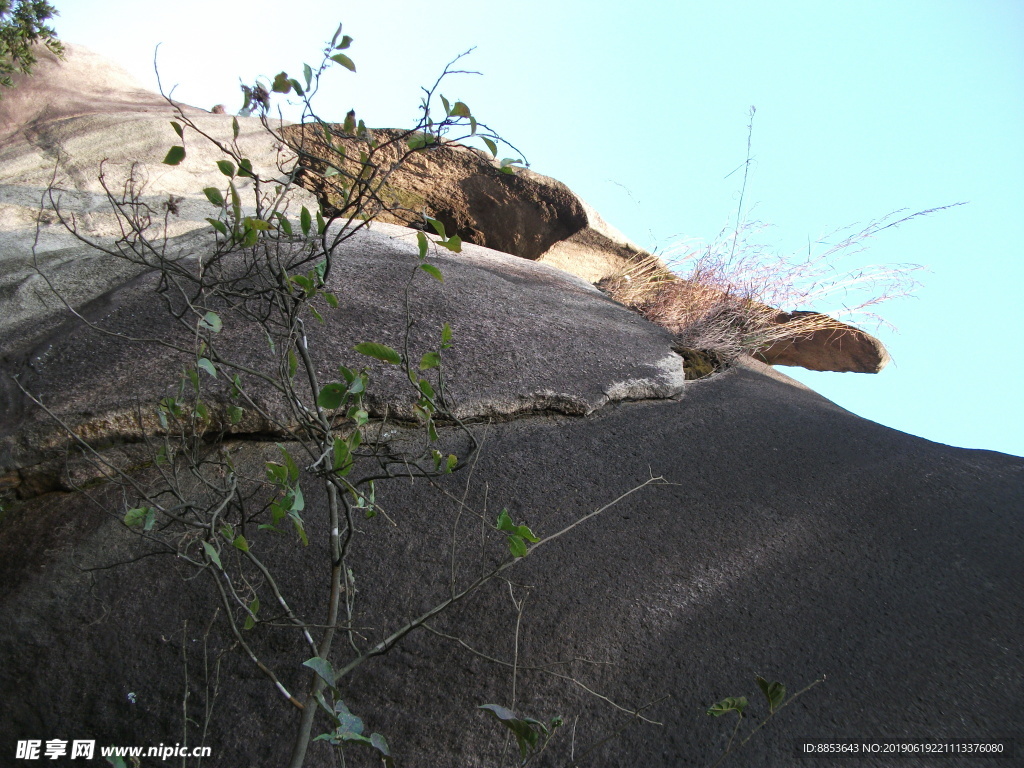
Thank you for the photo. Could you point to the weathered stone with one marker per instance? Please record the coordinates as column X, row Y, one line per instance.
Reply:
column 529, row 338
column 796, row 541
column 843, row 348
column 524, row 214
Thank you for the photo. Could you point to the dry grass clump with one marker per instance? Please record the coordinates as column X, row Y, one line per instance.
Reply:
column 738, row 296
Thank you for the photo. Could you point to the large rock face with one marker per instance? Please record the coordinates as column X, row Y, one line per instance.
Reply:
column 793, row 540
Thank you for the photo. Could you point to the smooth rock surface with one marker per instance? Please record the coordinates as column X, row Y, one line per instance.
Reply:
column 528, row 337
column 796, row 541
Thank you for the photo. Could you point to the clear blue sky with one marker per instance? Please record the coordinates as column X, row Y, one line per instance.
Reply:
column 641, row 107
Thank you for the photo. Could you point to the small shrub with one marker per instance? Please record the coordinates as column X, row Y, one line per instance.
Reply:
column 737, row 296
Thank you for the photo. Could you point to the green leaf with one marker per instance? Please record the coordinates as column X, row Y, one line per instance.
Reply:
column 235, row 414
column 178, row 129
column 211, row 552
column 453, row 460
column 281, row 83
column 323, row 668
column 379, row 351
column 207, row 366
column 447, row 105
column 430, row 360
column 472, row 125
column 491, row 146
column 345, row 61
column 239, row 542
column 211, row 322
column 307, row 73
column 234, row 127
column 522, row 531
column 433, row 271
column 526, row 730
column 350, row 727
column 453, row 244
column 774, row 692
column 437, row 225
column 214, row 196
column 219, row 226
column 517, row 546
column 346, row 41
column 283, row 224
column 236, row 201
column 331, row 299
column 446, row 334
column 276, row 473
column 140, row 517
column 359, row 384
column 331, row 395
column 505, row 522
column 421, row 241
column 245, row 168
column 226, row 167
column 426, row 389
column 293, row 364
column 306, row 221
column 380, row 744
column 277, row 514
column 355, row 439
column 342, row 456
column 254, row 223
column 460, row 109
column 254, row 609
column 292, row 467
column 420, row 140
column 319, row 270
column 300, row 529
column 506, row 166
column 175, row 155
column 729, row 704
column 321, row 225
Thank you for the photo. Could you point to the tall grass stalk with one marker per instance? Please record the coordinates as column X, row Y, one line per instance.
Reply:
column 738, row 295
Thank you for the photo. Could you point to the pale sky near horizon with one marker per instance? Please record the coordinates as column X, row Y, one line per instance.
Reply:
column 642, row 109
